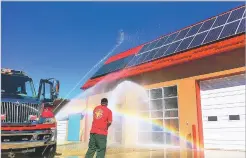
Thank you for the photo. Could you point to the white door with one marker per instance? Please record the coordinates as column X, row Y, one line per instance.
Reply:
column 61, row 130
column 223, row 112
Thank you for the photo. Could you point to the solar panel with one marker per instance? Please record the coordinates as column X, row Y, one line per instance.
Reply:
column 182, row 34
column 171, row 38
column 118, row 65
column 185, row 43
column 236, row 14
column 113, row 66
column 161, row 41
column 229, row 29
column 147, row 56
column 150, row 55
column 172, row 48
column 241, row 27
column 135, row 60
column 194, row 30
column 207, row 25
column 141, row 58
column 132, row 62
column 213, row 34
column 127, row 60
column 221, row 20
column 97, row 73
column 102, row 70
column 143, row 48
column 161, row 52
column 197, row 41
column 152, row 45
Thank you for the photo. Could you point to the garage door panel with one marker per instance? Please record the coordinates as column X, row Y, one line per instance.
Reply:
column 223, row 112
column 226, row 98
column 225, row 146
column 224, row 90
column 218, row 83
column 224, row 135
column 223, row 143
column 223, row 95
column 207, row 125
column 223, row 100
column 226, row 105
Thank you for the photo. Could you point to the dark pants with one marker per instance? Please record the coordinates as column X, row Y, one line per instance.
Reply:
column 97, row 143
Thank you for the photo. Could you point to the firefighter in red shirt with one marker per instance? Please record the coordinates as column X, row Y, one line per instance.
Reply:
column 102, row 119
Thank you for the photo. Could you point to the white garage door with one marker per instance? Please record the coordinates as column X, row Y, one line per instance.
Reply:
column 223, row 112
column 61, row 130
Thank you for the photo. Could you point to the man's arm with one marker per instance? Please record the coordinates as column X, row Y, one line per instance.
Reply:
column 109, row 124
column 109, row 118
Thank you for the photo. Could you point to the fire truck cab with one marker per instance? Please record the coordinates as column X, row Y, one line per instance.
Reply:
column 28, row 125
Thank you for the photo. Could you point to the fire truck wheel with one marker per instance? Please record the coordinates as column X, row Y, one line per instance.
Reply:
column 44, row 152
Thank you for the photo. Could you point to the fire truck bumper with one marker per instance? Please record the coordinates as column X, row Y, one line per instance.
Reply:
column 22, row 145
column 36, row 149
column 23, row 142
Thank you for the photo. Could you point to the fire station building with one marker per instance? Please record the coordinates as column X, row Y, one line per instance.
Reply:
column 195, row 77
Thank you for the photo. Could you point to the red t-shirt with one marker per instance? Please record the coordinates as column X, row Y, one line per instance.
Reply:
column 101, row 117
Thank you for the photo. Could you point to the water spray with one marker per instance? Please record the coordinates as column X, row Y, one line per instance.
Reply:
column 120, row 40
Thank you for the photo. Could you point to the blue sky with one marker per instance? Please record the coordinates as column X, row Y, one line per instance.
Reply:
column 65, row 39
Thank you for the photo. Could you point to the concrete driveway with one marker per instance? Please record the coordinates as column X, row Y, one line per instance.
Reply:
column 79, row 150
column 118, row 153
column 160, row 154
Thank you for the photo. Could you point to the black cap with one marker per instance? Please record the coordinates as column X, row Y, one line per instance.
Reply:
column 104, row 101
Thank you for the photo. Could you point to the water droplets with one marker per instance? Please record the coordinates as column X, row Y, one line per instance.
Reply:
column 121, row 37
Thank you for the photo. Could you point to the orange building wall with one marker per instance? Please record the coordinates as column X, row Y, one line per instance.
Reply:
column 188, row 103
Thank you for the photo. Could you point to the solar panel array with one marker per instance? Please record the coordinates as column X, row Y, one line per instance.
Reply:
column 217, row 28
column 113, row 66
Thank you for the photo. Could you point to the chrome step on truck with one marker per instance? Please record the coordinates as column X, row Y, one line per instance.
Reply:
column 28, row 125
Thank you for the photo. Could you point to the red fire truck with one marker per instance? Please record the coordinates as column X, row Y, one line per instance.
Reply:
column 28, row 125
